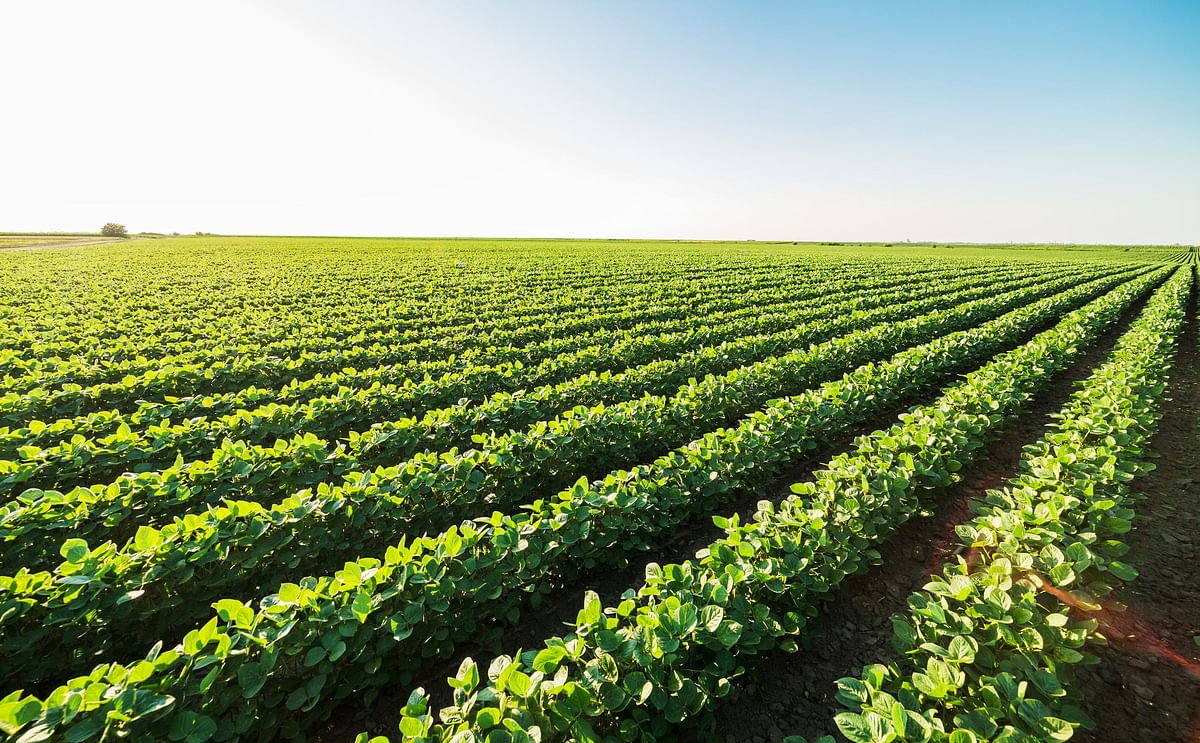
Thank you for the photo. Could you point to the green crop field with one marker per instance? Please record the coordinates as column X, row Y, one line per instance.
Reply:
column 532, row 490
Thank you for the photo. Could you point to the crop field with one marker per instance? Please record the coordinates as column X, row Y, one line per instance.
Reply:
column 33, row 241
column 503, row 490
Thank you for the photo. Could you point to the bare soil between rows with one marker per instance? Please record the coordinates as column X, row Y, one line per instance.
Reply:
column 1147, row 684
column 793, row 693
column 67, row 243
column 382, row 716
column 553, row 615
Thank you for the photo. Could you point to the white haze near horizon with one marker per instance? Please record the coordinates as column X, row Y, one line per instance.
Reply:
column 372, row 118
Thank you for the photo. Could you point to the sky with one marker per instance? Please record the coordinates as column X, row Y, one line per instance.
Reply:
column 947, row 121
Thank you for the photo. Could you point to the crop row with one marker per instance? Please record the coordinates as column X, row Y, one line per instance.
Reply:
column 534, row 458
column 270, row 671
column 244, row 466
column 165, row 578
column 162, row 315
column 406, row 364
column 328, row 315
column 161, row 310
column 1187, row 257
column 303, row 390
column 512, row 328
column 668, row 650
column 526, row 343
column 84, row 460
column 988, row 647
column 147, row 440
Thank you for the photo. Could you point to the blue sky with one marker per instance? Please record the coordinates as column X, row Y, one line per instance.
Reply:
column 943, row 121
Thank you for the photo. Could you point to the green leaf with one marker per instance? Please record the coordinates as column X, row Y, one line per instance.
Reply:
column 314, row 656
column 899, row 718
column 852, row 693
column 487, row 718
column 289, row 593
column 926, row 685
column 251, row 677
column 904, row 632
column 86, row 728
column 39, row 732
column 547, row 660
column 855, row 727
column 15, row 712
column 1046, row 681
column 361, row 606
column 711, row 617
column 411, row 727
column 192, row 728
column 1056, row 729
column 147, row 538
column 962, row 649
column 978, row 722
column 960, row 587
column 74, row 550
column 517, row 682
column 1121, row 570
column 232, row 610
column 592, row 610
column 297, row 698
column 468, row 674
column 940, row 672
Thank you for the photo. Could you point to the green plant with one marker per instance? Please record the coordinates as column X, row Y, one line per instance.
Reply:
column 988, row 647
column 668, row 650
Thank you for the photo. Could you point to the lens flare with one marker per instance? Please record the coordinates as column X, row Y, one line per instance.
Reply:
column 1122, row 627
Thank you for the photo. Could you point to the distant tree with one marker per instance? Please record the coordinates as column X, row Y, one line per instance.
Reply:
column 112, row 229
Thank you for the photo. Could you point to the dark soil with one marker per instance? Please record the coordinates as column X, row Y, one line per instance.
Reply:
column 793, row 693
column 560, row 609
column 1147, row 684
column 382, row 716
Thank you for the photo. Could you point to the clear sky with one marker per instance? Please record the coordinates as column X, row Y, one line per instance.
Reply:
column 1003, row 121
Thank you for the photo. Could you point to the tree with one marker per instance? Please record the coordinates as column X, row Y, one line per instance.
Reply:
column 112, row 229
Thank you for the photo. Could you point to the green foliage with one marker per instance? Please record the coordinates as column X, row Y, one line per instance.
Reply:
column 989, row 647
column 649, row 663
column 235, row 548
column 240, row 468
column 397, row 355
column 220, row 496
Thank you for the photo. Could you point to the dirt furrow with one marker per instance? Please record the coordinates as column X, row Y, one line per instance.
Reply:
column 548, row 619
column 1147, row 684
column 793, row 693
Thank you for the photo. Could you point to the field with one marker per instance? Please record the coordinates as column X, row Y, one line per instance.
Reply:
column 9, row 241
column 259, row 488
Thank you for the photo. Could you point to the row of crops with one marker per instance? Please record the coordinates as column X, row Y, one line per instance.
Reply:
column 1186, row 257
column 248, row 485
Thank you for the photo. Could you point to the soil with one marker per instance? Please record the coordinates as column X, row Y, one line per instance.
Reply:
column 551, row 618
column 65, row 243
column 920, row 547
column 560, row 609
column 793, row 693
column 1147, row 684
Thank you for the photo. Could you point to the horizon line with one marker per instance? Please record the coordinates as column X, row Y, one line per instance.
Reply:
column 792, row 241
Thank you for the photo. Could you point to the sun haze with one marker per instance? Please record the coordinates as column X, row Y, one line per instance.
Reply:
column 827, row 121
